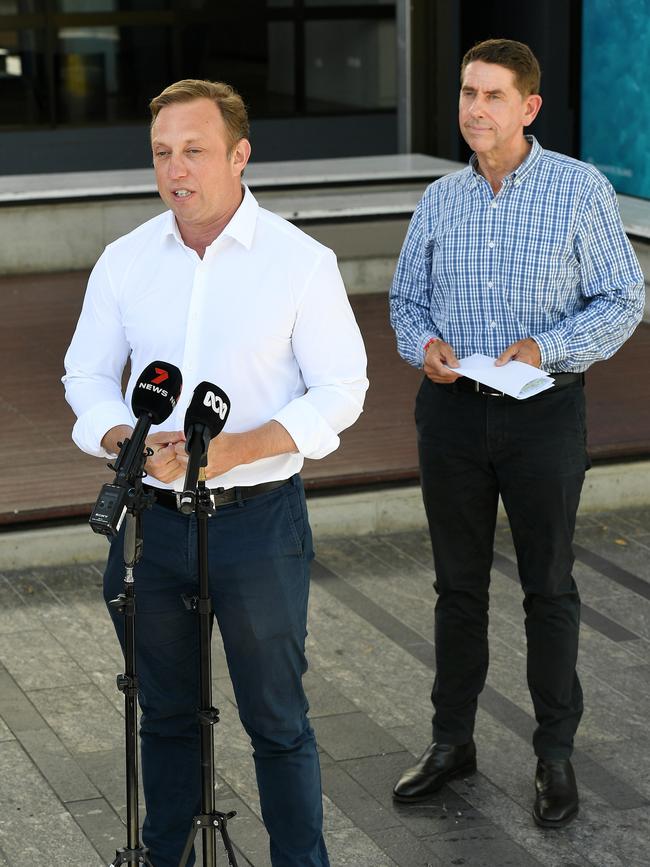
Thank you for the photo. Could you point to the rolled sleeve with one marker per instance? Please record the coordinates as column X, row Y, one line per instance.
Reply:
column 329, row 350
column 94, row 363
column 92, row 425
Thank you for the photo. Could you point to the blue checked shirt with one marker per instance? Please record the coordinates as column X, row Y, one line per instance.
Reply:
column 546, row 258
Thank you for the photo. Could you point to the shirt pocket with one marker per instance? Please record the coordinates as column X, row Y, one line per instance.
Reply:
column 540, row 276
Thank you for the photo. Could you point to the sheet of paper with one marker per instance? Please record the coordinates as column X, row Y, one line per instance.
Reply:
column 515, row 378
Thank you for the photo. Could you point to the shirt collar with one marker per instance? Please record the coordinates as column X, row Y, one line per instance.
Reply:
column 520, row 172
column 241, row 227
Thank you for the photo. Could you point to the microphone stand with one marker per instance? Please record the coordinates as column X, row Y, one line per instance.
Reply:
column 134, row 852
column 210, row 820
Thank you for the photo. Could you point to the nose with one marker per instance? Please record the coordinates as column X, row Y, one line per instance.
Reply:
column 176, row 166
column 477, row 106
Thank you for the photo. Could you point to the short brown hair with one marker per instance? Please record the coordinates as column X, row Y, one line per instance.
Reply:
column 511, row 54
column 228, row 101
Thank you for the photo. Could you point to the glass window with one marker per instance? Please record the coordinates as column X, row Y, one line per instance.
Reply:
column 350, row 64
column 258, row 60
column 349, row 3
column 109, row 74
column 20, row 7
column 112, row 5
column 23, row 84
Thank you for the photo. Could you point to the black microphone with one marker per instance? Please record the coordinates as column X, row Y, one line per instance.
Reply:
column 205, row 418
column 154, row 397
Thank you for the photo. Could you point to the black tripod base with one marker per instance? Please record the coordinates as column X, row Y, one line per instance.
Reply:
column 211, row 822
column 132, row 856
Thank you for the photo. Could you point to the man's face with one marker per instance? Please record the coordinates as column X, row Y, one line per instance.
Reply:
column 197, row 178
column 492, row 112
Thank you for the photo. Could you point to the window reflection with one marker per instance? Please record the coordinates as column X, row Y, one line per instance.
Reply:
column 20, row 7
column 113, row 5
column 258, row 60
column 101, row 61
column 23, row 88
column 108, row 74
column 350, row 64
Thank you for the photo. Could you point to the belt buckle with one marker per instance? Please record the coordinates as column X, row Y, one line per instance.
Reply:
column 487, row 391
column 212, row 493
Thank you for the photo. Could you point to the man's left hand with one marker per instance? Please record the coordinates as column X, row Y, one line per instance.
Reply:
column 224, row 452
column 523, row 350
column 228, row 450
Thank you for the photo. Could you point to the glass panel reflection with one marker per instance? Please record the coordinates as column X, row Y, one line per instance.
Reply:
column 20, row 7
column 23, row 86
column 349, row 2
column 108, row 74
column 258, row 60
column 113, row 5
column 350, row 64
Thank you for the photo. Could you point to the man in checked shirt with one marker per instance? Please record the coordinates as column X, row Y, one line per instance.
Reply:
column 521, row 255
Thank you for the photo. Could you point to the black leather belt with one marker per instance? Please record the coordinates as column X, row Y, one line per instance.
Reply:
column 471, row 386
column 171, row 499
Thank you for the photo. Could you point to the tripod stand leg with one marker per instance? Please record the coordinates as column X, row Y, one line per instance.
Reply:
column 127, row 683
column 191, row 837
column 132, row 856
column 210, row 821
column 210, row 824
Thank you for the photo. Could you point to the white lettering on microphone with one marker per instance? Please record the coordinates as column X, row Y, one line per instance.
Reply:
column 148, row 386
column 217, row 404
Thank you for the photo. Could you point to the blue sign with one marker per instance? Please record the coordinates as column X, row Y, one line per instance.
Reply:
column 616, row 92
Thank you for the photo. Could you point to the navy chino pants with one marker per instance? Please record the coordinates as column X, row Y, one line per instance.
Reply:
column 473, row 448
column 259, row 555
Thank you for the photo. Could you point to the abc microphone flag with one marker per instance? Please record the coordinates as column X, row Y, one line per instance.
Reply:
column 205, row 419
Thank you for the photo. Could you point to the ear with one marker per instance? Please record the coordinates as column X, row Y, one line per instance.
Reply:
column 240, row 155
column 532, row 105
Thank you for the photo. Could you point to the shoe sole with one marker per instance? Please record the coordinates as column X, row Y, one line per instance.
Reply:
column 464, row 771
column 545, row 823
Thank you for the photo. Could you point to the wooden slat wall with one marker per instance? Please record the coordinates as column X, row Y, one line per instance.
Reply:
column 44, row 476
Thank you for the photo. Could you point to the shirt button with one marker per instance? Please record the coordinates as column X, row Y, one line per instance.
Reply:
column 517, row 183
column 494, row 204
column 493, row 324
column 490, row 284
column 491, row 244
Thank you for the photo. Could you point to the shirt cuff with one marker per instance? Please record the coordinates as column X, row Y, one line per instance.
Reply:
column 91, row 426
column 313, row 437
column 551, row 348
column 426, row 339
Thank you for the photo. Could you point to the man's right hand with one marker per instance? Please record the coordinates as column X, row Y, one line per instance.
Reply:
column 438, row 355
column 163, row 464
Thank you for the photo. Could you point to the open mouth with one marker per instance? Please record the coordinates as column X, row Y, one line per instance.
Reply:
column 182, row 194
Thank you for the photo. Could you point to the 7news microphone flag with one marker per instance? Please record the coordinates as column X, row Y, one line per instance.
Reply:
column 154, row 397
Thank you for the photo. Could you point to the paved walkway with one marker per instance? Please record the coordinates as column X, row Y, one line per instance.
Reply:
column 370, row 646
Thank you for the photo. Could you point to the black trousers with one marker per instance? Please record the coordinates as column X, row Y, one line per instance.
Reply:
column 473, row 448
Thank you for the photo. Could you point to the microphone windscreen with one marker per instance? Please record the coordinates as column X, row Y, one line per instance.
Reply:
column 156, row 391
column 209, row 406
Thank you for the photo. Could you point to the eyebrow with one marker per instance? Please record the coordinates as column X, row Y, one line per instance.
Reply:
column 188, row 141
column 467, row 87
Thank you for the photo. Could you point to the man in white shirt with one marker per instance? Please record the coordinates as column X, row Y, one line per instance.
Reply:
column 232, row 294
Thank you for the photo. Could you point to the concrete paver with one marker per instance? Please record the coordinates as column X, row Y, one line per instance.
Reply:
column 371, row 654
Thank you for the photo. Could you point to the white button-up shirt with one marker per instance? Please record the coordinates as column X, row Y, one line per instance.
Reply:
column 264, row 315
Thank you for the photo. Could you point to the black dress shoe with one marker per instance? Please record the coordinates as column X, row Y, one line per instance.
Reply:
column 440, row 763
column 556, row 803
